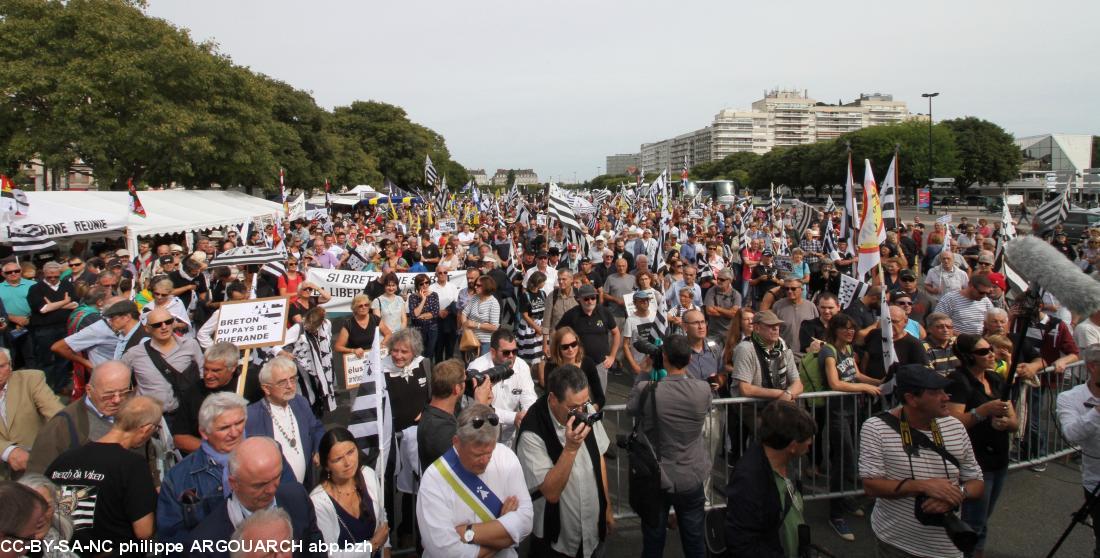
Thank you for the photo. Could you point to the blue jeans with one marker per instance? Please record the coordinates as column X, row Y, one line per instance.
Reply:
column 690, row 515
column 976, row 513
column 1038, row 432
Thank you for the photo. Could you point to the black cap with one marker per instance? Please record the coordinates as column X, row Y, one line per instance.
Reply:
column 541, row 255
column 120, row 308
column 767, row 253
column 894, row 295
column 911, row 377
column 554, row 251
column 907, row 274
column 586, row 259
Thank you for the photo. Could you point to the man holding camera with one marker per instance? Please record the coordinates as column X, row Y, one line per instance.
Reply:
column 514, row 393
column 681, row 403
column 561, row 445
column 918, row 461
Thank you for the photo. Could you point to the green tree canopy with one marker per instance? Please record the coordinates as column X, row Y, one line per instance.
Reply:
column 987, row 153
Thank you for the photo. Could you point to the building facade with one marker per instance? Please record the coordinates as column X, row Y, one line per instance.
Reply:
column 478, row 176
column 523, row 177
column 622, row 164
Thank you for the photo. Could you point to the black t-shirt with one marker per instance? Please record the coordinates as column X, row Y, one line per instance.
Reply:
column 859, row 312
column 186, row 418
column 430, row 252
column 359, row 338
column 434, row 434
column 178, row 281
column 106, row 486
column 595, row 388
column 990, row 446
column 592, row 330
column 763, row 271
column 39, row 294
column 909, row 350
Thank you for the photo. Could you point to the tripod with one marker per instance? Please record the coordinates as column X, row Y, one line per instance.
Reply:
column 1079, row 516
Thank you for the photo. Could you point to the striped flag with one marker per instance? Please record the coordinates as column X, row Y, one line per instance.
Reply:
column 282, row 193
column 430, row 176
column 8, row 190
column 369, row 409
column 828, row 243
column 889, row 355
column 849, row 222
column 888, row 195
column 805, row 218
column 830, row 206
column 561, row 209
column 1054, row 211
column 1000, row 265
column 684, row 174
column 871, row 232
column 29, row 238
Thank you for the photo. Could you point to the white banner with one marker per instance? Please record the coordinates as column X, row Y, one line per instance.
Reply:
column 344, row 285
column 253, row 323
column 298, row 208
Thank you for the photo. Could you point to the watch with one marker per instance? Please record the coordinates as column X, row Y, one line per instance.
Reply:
column 468, row 535
column 974, row 413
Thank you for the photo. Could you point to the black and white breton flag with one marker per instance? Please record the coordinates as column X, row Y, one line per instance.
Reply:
column 1054, row 211
column 830, row 205
column 368, row 421
column 828, row 243
column 247, row 255
column 560, row 208
column 888, row 196
column 431, row 178
column 805, row 218
column 29, row 238
column 1013, row 280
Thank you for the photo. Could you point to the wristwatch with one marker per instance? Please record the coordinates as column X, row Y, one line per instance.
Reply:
column 468, row 535
column 974, row 413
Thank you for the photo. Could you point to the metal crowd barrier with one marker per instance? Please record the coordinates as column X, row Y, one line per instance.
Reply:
column 830, row 469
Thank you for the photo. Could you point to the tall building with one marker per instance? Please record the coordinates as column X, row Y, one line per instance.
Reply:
column 621, row 164
column 781, row 118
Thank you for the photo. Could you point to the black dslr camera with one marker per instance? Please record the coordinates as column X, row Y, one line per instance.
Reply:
column 496, row 374
column 962, row 535
column 653, row 351
column 581, row 416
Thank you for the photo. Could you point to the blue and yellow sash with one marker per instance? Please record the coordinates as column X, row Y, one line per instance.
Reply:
column 475, row 493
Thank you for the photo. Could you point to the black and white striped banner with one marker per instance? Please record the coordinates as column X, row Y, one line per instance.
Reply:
column 247, row 255
column 1054, row 211
column 29, row 238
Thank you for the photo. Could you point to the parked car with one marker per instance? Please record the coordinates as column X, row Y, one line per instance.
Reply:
column 1077, row 223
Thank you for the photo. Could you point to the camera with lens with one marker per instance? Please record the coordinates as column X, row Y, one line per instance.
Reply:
column 581, row 416
column 962, row 535
column 653, row 351
column 496, row 374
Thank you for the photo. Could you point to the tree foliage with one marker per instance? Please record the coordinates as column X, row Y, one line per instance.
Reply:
column 135, row 97
column 987, row 153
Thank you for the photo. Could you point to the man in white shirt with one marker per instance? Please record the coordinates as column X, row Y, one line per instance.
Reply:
column 542, row 264
column 514, row 396
column 466, row 237
column 493, row 513
column 1079, row 417
column 1087, row 333
column 945, row 277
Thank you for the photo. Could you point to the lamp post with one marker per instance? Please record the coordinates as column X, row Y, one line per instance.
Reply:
column 929, row 96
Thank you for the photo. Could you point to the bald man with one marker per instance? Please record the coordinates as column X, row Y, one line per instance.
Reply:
column 255, row 470
column 164, row 365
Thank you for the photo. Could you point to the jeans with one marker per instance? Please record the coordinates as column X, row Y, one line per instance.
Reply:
column 690, row 515
column 886, row 550
column 976, row 513
column 55, row 367
column 430, row 336
column 842, row 452
column 1038, row 406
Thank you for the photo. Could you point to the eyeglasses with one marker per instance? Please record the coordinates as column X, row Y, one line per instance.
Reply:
column 117, row 394
column 491, row 418
column 158, row 325
column 11, row 272
column 286, row 382
column 791, row 289
column 568, row 346
column 695, row 323
column 588, row 298
column 984, row 351
column 51, row 277
column 908, row 280
column 364, row 305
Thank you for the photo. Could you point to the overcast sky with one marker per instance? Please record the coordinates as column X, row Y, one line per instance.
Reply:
column 558, row 85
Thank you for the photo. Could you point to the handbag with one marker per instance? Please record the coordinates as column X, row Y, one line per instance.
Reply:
column 469, row 341
column 644, row 478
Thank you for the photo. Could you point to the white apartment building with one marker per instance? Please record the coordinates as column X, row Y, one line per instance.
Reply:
column 478, row 176
column 523, row 177
column 621, row 164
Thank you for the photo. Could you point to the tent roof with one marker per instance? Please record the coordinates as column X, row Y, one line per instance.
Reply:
column 167, row 211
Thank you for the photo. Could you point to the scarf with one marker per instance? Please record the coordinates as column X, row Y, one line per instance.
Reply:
column 403, row 373
column 237, row 512
column 222, row 460
column 773, row 367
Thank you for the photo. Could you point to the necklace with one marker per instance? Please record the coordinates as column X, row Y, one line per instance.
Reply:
column 293, row 442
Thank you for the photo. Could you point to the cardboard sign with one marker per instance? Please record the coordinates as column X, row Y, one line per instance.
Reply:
column 355, row 370
column 344, row 285
column 448, row 225
column 253, row 323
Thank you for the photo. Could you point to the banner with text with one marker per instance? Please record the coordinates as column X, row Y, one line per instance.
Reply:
column 344, row 285
column 253, row 323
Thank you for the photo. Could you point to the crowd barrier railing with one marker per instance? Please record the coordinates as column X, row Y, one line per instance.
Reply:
column 830, row 469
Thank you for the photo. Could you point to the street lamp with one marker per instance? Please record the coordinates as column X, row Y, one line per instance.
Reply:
column 929, row 96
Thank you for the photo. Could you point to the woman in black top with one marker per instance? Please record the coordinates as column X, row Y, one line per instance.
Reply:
column 356, row 333
column 565, row 348
column 424, row 312
column 975, row 392
column 347, row 500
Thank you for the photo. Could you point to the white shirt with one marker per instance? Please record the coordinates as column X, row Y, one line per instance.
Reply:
column 465, row 238
column 1081, row 426
column 551, row 279
column 1086, row 333
column 447, row 293
column 284, row 426
column 509, row 396
column 439, row 509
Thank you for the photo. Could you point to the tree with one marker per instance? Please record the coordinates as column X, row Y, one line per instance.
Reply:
column 511, row 177
column 987, row 153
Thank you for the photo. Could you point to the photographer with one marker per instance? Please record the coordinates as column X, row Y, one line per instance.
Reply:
column 514, row 393
column 682, row 402
column 561, row 446
column 919, row 485
column 438, row 422
column 1079, row 415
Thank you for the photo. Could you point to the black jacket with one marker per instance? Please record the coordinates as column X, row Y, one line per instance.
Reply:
column 291, row 497
column 754, row 519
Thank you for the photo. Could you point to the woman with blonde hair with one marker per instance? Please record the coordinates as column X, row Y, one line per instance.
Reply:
column 356, row 333
column 566, row 349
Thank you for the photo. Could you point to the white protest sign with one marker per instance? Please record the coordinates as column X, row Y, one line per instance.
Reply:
column 355, row 370
column 448, row 225
column 344, row 285
column 297, row 208
column 253, row 323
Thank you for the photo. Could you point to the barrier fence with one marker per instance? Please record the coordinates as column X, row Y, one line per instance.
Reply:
column 830, row 469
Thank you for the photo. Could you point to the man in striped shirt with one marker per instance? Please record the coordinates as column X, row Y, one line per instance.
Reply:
column 967, row 307
column 897, row 477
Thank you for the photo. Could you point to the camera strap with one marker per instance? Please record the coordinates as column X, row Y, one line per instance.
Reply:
column 912, row 440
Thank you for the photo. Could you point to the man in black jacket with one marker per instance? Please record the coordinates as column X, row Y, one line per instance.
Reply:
column 762, row 524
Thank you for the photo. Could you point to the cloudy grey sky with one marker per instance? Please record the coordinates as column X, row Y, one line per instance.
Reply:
column 558, row 85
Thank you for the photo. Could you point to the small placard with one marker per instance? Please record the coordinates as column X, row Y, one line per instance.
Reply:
column 253, row 323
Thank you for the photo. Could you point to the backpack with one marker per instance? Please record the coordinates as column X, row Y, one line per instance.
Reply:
column 813, row 377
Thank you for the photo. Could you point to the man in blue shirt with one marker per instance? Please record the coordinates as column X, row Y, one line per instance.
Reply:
column 13, row 292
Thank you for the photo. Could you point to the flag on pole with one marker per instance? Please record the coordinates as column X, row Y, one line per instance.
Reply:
column 282, row 193
column 889, row 195
column 8, row 189
column 828, row 244
column 889, row 355
column 135, row 204
column 328, row 203
column 830, row 206
column 805, row 217
column 29, row 238
column 849, row 223
column 430, row 176
column 684, row 174
column 1013, row 280
column 390, row 193
column 661, row 185
column 871, row 232
column 1054, row 211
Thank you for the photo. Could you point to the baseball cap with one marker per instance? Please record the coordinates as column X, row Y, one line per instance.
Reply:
column 907, row 274
column 894, row 295
column 767, row 253
column 918, row 376
column 766, row 317
column 586, row 290
column 120, row 308
column 554, row 251
column 643, row 295
column 998, row 279
column 122, row 253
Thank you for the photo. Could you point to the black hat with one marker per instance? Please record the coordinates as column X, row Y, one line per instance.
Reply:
column 907, row 274
column 554, row 251
column 767, row 253
column 912, row 377
column 120, row 308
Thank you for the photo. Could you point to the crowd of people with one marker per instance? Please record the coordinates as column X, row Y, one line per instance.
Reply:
column 124, row 418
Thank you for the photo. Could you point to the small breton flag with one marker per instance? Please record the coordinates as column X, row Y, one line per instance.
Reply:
column 135, row 204
column 8, row 190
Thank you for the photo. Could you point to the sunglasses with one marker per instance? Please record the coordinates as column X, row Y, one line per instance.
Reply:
column 589, row 298
column 508, row 352
column 902, row 303
column 567, row 346
column 158, row 325
column 491, row 418
column 75, row 264
column 11, row 272
column 982, row 352
column 791, row 289
column 910, row 280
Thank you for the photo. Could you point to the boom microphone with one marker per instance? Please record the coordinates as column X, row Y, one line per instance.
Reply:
column 1043, row 265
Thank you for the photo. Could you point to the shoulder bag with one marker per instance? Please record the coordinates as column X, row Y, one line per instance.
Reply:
column 644, row 456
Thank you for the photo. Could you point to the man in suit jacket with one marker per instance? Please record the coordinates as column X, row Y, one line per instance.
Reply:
column 255, row 468
column 26, row 403
column 285, row 416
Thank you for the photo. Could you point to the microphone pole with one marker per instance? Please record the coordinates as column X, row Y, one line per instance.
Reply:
column 1027, row 310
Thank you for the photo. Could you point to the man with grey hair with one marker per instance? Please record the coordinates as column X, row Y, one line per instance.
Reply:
column 255, row 470
column 220, row 372
column 26, row 401
column 267, row 526
column 493, row 513
column 996, row 322
column 50, row 302
column 285, row 416
column 1079, row 417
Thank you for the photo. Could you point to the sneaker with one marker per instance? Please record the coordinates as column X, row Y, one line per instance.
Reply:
column 857, row 511
column 842, row 529
column 1039, row 467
